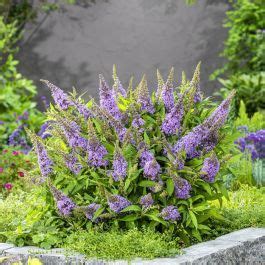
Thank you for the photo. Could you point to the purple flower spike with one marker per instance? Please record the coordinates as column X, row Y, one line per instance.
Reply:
column 72, row 163
column 147, row 201
column 219, row 116
column 145, row 155
column 170, row 213
column 72, row 133
column 121, row 131
column 64, row 204
column 182, row 188
column 179, row 162
column 91, row 209
column 258, row 140
column 61, row 99
column 241, row 142
column 138, row 123
column 96, row 153
column 168, row 97
column 15, row 136
column 197, row 97
column 119, row 166
column 210, row 168
column 144, row 98
column 253, row 143
column 45, row 163
column 117, row 203
column 117, row 86
column 209, row 143
column 151, row 169
column 107, row 99
column 83, row 110
column 191, row 141
column 43, row 130
column 172, row 121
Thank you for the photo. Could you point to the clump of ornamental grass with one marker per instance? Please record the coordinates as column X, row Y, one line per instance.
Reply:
column 136, row 158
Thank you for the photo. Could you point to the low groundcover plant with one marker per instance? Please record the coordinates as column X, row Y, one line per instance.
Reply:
column 135, row 159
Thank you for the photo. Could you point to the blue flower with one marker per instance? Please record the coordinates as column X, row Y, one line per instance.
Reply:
column 210, row 168
column 170, row 213
column 117, row 203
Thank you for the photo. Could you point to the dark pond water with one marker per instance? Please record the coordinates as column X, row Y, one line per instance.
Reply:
column 72, row 46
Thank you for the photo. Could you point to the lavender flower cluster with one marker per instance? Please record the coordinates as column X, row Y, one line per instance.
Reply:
column 119, row 166
column 133, row 137
column 16, row 138
column 210, row 168
column 64, row 203
column 170, row 213
column 117, row 203
column 253, row 143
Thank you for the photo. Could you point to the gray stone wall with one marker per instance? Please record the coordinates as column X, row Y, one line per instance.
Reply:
column 245, row 246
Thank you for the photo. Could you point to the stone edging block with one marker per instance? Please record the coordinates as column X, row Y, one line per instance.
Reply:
column 245, row 246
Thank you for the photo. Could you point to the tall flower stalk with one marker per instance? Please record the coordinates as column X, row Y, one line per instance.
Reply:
column 107, row 99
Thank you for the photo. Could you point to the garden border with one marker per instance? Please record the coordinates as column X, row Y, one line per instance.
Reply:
column 244, row 246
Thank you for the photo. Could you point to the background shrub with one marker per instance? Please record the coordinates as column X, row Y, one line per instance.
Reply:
column 244, row 51
column 26, row 219
column 250, row 89
column 245, row 208
column 17, row 108
column 13, row 167
column 246, row 163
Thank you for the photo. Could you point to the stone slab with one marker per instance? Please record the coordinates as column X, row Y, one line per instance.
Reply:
column 5, row 246
column 245, row 246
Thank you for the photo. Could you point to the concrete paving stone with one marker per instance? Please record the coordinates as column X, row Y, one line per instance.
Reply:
column 22, row 250
column 241, row 247
column 242, row 235
column 5, row 246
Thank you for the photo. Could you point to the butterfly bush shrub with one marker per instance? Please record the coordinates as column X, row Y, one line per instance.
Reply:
column 135, row 159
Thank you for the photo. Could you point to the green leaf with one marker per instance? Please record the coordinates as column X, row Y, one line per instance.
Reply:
column 200, row 208
column 98, row 212
column 204, row 227
column 129, row 218
column 134, row 208
column 193, row 219
column 224, row 191
column 170, row 186
column 206, row 186
column 184, row 237
column 162, row 158
column 217, row 215
column 110, row 148
column 127, row 184
column 156, row 218
column 146, row 138
column 98, row 126
column 196, row 198
column 147, row 183
column 196, row 234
